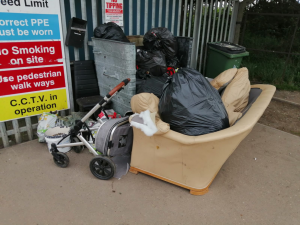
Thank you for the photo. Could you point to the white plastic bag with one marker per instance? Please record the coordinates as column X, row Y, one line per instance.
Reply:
column 148, row 126
column 46, row 121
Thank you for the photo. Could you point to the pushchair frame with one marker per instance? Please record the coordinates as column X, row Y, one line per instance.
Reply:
column 101, row 165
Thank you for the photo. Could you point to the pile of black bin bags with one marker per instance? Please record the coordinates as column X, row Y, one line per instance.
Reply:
column 161, row 39
column 188, row 102
column 156, row 60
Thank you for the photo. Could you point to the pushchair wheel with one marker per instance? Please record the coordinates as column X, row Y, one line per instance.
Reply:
column 61, row 159
column 76, row 149
column 102, row 167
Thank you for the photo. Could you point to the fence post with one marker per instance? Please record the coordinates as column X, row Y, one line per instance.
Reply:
column 233, row 20
column 138, row 18
column 214, row 23
column 15, row 124
column 184, row 18
column 203, row 44
column 160, row 13
column 153, row 14
column 146, row 17
column 167, row 14
column 84, row 17
column 29, row 128
column 211, row 6
column 67, row 55
column 196, row 33
column 173, row 16
column 103, row 11
column 190, row 17
column 130, row 16
column 226, row 26
column 179, row 17
column 73, row 14
column 223, row 20
column 95, row 13
column 4, row 135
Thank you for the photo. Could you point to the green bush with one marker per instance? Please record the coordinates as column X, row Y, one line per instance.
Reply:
column 273, row 33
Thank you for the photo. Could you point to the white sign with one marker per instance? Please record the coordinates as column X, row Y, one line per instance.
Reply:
column 114, row 11
column 33, row 75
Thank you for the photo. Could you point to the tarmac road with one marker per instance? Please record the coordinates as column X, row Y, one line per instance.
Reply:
column 258, row 184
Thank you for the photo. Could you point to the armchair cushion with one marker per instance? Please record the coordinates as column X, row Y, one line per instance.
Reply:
column 147, row 101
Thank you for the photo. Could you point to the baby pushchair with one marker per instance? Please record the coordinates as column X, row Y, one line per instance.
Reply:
column 113, row 141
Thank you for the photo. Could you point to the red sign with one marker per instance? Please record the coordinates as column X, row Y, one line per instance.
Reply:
column 114, row 11
column 25, row 54
column 118, row 11
column 29, row 80
column 114, row 6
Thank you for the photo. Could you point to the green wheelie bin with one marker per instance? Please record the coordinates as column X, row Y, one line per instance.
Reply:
column 223, row 56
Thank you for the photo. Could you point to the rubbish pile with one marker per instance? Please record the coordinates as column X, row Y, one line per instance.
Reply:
column 188, row 102
column 193, row 106
column 157, row 61
column 170, row 98
column 161, row 39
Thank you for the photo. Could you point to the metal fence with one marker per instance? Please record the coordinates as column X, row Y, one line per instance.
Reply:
column 208, row 21
column 204, row 20
column 139, row 17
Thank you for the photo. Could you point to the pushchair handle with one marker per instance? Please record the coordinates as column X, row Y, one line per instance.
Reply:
column 101, row 104
column 119, row 86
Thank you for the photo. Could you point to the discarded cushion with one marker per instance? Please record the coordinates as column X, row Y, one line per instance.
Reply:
column 236, row 95
column 221, row 81
column 144, row 101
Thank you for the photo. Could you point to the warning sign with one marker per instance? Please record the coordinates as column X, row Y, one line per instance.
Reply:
column 24, row 54
column 32, row 104
column 114, row 11
column 31, row 80
column 32, row 59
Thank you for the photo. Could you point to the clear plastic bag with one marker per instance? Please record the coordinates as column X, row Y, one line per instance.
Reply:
column 47, row 120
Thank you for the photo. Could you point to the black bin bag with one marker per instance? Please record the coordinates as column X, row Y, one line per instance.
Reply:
column 191, row 105
column 152, row 85
column 152, row 61
column 161, row 39
column 110, row 31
